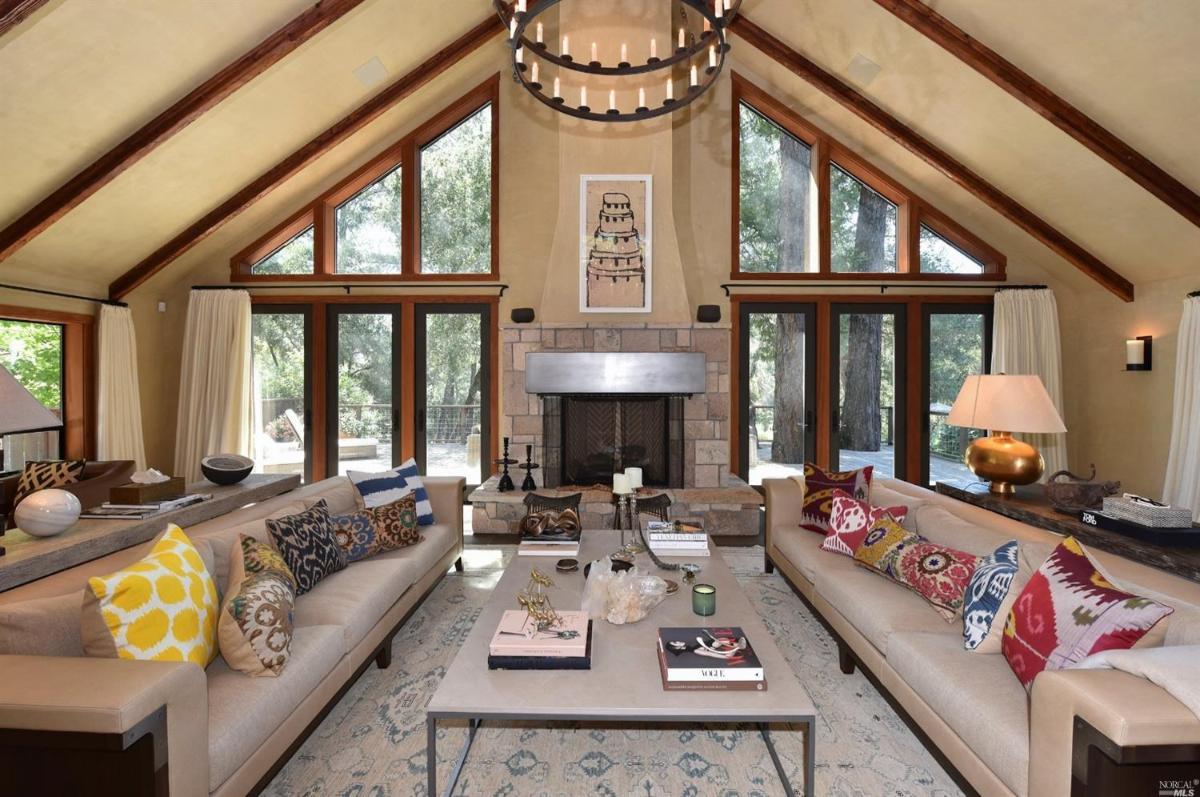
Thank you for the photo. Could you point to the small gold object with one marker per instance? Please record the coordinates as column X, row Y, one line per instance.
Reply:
column 1005, row 462
column 534, row 600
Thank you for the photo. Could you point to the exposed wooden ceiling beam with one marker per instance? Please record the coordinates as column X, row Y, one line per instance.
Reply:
column 289, row 166
column 14, row 12
column 914, row 142
column 1054, row 108
column 199, row 100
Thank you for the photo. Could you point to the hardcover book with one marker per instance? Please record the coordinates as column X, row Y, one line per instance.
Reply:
column 583, row 662
column 517, row 635
column 708, row 658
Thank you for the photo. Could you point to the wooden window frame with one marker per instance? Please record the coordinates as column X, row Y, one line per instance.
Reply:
column 79, row 375
column 317, row 377
column 405, row 154
column 912, row 210
column 914, row 353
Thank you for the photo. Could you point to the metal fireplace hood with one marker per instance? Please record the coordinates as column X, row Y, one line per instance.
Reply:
column 612, row 372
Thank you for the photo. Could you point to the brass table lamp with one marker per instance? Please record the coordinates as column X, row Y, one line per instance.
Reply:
column 1004, row 404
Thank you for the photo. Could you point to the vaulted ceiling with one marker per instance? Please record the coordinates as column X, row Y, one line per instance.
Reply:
column 78, row 77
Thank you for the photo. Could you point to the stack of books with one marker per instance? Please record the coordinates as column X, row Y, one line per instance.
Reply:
column 677, row 538
column 111, row 511
column 519, row 645
column 550, row 543
column 708, row 658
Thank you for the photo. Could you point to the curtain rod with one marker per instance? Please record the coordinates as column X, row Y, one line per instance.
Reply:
column 112, row 302
column 244, row 286
column 882, row 286
column 1022, row 288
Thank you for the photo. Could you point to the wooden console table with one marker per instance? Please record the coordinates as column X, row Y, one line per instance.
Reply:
column 30, row 558
column 1031, row 506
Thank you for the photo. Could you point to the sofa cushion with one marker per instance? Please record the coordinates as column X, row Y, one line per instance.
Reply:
column 882, row 495
column 977, row 696
column 243, row 712
column 308, row 546
column 218, row 544
column 938, row 573
column 358, row 597
column 367, row 532
column 850, row 521
column 46, row 475
column 804, row 551
column 989, row 596
column 255, row 626
column 877, row 607
column 939, row 525
column 819, row 486
column 42, row 627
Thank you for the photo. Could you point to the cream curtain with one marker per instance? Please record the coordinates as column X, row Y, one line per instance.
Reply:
column 1025, row 340
column 1182, row 486
column 216, row 380
column 118, row 403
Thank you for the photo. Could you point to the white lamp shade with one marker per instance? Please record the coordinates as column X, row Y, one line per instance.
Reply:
column 20, row 411
column 1006, row 403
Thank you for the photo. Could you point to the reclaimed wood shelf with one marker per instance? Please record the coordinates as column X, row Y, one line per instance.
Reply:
column 1031, row 506
column 29, row 558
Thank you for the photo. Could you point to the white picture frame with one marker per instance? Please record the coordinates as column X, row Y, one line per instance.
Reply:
column 613, row 277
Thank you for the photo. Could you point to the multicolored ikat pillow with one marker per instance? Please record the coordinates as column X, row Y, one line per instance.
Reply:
column 851, row 519
column 1068, row 611
column 255, row 629
column 989, row 598
column 368, row 532
column 819, row 487
column 307, row 544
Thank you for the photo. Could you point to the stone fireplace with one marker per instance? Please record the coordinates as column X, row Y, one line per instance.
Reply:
column 696, row 424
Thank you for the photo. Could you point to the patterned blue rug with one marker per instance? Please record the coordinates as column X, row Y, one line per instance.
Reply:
column 373, row 743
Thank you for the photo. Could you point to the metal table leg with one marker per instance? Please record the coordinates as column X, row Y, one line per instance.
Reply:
column 431, row 754
column 810, row 758
column 810, row 752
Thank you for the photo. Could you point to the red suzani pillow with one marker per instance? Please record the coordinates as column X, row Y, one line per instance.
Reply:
column 851, row 519
column 819, row 486
column 1068, row 611
column 938, row 574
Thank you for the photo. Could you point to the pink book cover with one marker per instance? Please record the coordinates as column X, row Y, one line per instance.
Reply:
column 517, row 635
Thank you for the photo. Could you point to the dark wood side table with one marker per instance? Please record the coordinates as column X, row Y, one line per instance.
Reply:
column 1031, row 506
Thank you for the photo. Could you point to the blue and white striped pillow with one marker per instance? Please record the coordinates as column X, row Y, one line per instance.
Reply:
column 387, row 486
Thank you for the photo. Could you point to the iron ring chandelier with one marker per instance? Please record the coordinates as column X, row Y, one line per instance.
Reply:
column 656, row 75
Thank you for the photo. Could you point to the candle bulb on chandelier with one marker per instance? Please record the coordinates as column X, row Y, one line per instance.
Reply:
column 535, row 72
column 566, row 50
column 695, row 80
column 654, row 48
column 557, row 89
column 583, row 97
column 670, row 89
column 624, row 53
column 520, row 55
column 521, row 6
column 594, row 58
column 719, row 8
column 540, row 31
column 682, row 40
column 641, row 98
column 612, row 99
column 707, row 25
column 712, row 55
column 512, row 28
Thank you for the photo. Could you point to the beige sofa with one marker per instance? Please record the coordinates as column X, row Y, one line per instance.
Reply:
column 226, row 732
column 970, row 705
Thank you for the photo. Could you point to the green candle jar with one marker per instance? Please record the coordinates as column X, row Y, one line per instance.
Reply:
column 704, row 600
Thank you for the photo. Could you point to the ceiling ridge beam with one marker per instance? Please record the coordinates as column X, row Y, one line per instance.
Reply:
column 1046, row 103
column 271, row 179
column 158, row 130
column 929, row 152
column 14, row 12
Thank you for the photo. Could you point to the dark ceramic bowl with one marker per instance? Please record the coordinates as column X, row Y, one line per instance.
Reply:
column 226, row 469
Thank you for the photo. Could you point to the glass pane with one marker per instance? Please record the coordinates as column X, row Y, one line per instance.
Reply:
column 32, row 352
column 778, row 399
column 939, row 256
column 956, row 350
column 453, row 401
column 776, row 184
column 279, row 374
column 456, row 199
column 867, row 429
column 294, row 257
column 862, row 225
column 365, row 390
column 368, row 229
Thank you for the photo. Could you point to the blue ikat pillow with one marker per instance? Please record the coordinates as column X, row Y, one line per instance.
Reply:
column 986, row 592
column 389, row 486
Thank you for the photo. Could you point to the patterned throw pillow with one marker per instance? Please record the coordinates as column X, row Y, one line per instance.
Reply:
column 162, row 608
column 367, row 532
column 850, row 521
column 46, row 475
column 255, row 629
column 378, row 489
column 1068, row 611
column 881, row 548
column 308, row 546
column 989, row 596
column 937, row 573
column 819, row 486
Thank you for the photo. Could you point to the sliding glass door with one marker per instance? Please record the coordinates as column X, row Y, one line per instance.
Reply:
column 777, row 380
column 362, row 388
column 452, row 389
column 281, row 350
column 958, row 343
column 867, row 381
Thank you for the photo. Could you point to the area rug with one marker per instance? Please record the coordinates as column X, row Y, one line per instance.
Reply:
column 373, row 742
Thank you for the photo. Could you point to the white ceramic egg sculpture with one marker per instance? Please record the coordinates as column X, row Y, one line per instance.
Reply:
column 47, row 512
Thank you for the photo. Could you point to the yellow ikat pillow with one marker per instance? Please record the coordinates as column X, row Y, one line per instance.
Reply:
column 162, row 608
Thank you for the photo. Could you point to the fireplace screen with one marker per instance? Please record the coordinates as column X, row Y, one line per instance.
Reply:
column 588, row 438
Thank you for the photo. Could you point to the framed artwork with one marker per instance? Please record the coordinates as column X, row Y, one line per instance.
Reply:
column 615, row 243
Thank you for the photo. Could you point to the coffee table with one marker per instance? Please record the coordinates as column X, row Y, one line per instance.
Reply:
column 624, row 683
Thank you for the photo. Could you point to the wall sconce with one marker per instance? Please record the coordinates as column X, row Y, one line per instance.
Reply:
column 1139, row 353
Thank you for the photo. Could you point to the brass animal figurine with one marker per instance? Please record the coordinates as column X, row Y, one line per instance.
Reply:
column 1071, row 494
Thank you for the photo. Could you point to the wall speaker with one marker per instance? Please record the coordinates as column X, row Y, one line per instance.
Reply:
column 708, row 313
column 522, row 315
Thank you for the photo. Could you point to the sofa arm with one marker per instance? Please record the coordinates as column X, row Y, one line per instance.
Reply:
column 446, row 495
column 785, row 502
column 1129, row 710
column 111, row 696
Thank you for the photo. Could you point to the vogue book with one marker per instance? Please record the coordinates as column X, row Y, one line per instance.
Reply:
column 708, row 658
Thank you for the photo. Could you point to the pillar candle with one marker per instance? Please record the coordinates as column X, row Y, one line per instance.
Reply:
column 583, row 96
column 540, row 31
column 695, row 80
column 621, row 484
column 535, row 72
column 681, row 39
column 624, row 53
column 612, row 99
column 670, row 89
column 719, row 8
column 641, row 98
column 712, row 55
column 654, row 48
column 566, row 50
column 594, row 58
column 520, row 55
column 635, row 477
column 557, row 88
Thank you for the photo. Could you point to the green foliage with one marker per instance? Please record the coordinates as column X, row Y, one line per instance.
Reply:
column 764, row 214
column 845, row 197
column 456, row 199
column 32, row 352
column 368, row 228
column 939, row 256
column 294, row 257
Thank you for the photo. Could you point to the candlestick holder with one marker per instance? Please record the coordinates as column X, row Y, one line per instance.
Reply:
column 506, row 483
column 621, row 523
column 528, row 484
column 635, row 524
